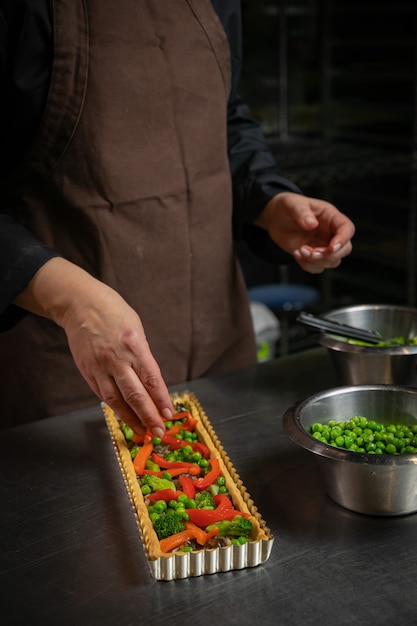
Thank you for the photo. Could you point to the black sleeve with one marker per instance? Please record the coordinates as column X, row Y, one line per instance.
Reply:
column 25, row 61
column 256, row 177
column 21, row 255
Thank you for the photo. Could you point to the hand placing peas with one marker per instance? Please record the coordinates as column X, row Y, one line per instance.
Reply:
column 367, row 436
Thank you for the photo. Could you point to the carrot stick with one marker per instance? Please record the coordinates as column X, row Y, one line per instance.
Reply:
column 194, row 470
column 176, row 540
column 141, row 457
column 201, row 535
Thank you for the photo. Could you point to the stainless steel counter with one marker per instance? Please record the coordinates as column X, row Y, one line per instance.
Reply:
column 71, row 554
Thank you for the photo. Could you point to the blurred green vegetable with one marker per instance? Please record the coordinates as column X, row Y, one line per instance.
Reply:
column 239, row 526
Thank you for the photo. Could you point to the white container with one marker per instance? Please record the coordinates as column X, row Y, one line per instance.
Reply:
column 267, row 330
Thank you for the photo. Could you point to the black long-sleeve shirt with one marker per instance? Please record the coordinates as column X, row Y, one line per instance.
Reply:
column 26, row 56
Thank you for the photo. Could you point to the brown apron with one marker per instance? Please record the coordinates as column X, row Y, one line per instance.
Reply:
column 129, row 179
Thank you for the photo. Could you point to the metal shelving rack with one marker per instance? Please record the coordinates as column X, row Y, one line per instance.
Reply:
column 334, row 83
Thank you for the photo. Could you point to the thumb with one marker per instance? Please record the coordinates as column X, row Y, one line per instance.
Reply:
column 307, row 220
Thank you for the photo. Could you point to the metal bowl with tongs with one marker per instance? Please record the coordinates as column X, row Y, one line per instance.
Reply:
column 386, row 354
column 337, row 328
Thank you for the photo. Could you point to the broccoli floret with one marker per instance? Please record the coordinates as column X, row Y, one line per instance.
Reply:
column 204, row 500
column 156, row 483
column 168, row 524
column 239, row 526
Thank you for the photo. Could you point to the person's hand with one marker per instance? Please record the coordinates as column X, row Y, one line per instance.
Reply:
column 107, row 342
column 314, row 231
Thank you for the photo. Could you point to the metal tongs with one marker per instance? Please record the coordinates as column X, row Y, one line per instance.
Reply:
column 336, row 328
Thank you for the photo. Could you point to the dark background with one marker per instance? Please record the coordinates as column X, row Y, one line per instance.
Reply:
column 334, row 83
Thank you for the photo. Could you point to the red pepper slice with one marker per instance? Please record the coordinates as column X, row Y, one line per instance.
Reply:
column 180, row 415
column 164, row 494
column 202, row 448
column 173, row 442
column 187, row 485
column 205, row 517
column 210, row 477
column 222, row 501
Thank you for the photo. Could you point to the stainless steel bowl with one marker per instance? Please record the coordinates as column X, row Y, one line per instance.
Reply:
column 374, row 484
column 360, row 365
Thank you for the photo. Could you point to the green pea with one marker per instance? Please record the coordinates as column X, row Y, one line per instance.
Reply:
column 238, row 541
column 336, row 432
column 159, row 506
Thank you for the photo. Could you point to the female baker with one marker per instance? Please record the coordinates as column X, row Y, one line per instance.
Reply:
column 128, row 164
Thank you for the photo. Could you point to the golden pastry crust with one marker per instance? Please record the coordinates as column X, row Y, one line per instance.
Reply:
column 241, row 498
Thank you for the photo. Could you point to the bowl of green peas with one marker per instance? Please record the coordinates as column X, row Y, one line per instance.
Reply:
column 364, row 439
column 392, row 361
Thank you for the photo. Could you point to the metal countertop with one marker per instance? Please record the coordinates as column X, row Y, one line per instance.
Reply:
column 71, row 554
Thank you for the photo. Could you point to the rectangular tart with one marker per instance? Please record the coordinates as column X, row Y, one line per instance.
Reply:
column 177, row 564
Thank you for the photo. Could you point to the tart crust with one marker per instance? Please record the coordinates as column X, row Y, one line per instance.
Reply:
column 206, row 434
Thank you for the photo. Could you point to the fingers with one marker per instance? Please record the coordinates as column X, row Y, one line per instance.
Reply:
column 316, row 260
column 109, row 347
column 139, row 403
column 107, row 341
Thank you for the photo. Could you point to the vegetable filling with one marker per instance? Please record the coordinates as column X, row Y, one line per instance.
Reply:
column 184, row 489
